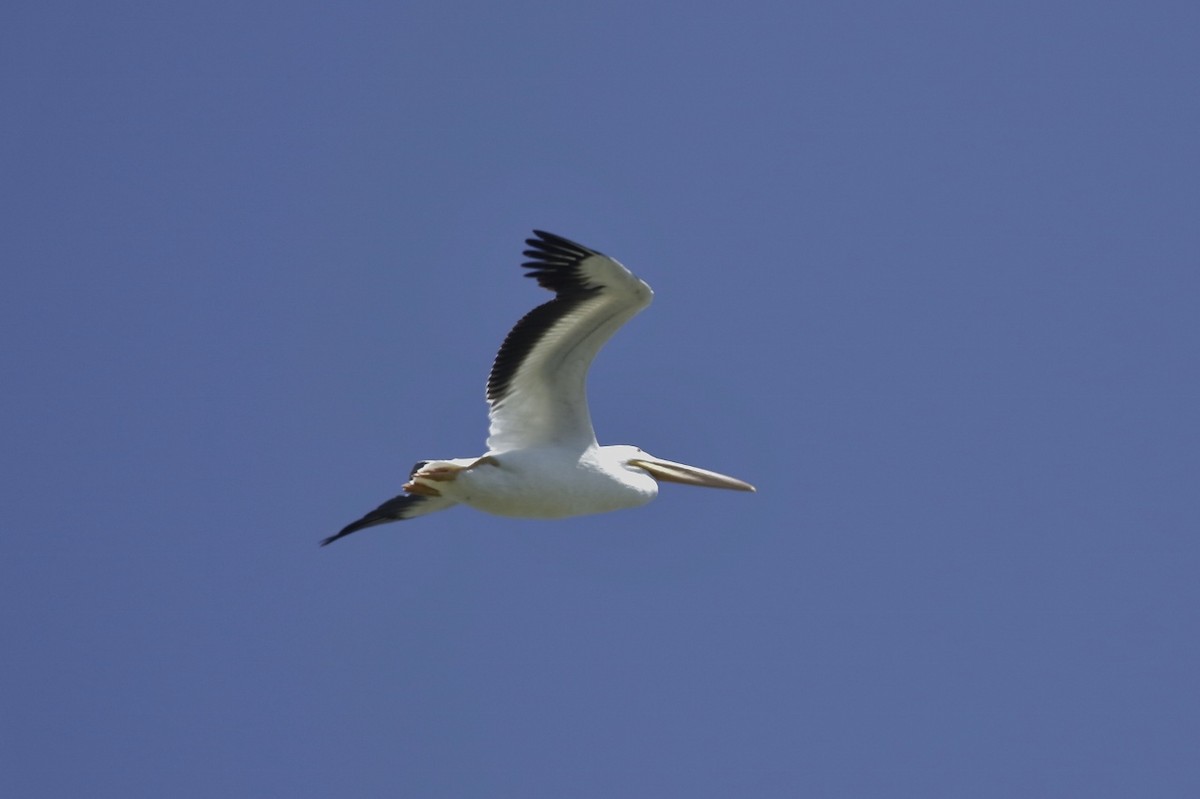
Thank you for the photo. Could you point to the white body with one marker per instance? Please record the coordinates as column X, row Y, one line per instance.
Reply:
column 543, row 461
column 551, row 483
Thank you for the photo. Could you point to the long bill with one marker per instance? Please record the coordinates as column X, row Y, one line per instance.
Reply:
column 672, row 472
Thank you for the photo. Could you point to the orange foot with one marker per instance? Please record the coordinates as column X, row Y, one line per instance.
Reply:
column 441, row 473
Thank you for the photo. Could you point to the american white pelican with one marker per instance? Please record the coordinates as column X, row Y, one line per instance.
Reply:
column 543, row 460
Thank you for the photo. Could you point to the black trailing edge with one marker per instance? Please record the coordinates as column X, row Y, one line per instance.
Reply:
column 556, row 264
column 395, row 509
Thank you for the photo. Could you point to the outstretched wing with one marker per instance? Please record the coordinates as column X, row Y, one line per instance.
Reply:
column 396, row 509
column 538, row 386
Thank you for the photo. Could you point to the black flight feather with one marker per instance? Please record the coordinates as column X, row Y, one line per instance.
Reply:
column 556, row 264
column 394, row 510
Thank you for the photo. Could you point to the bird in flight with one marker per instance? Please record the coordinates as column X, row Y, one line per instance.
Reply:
column 543, row 461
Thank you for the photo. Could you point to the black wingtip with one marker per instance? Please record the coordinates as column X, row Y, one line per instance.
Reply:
column 354, row 527
column 394, row 510
column 545, row 236
column 551, row 244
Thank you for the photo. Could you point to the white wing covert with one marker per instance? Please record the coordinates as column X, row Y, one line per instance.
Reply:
column 537, row 389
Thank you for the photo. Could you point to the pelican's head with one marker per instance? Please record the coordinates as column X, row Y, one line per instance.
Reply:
column 672, row 472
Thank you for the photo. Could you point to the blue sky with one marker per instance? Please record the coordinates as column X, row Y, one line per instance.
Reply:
column 925, row 273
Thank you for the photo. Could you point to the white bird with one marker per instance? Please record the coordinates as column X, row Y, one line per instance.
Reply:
column 543, row 460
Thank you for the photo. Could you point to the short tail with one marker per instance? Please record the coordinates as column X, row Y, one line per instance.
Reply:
column 396, row 509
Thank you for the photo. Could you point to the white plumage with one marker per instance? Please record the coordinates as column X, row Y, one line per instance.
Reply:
column 543, row 460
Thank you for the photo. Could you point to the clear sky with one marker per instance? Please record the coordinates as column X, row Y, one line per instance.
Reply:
column 926, row 273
